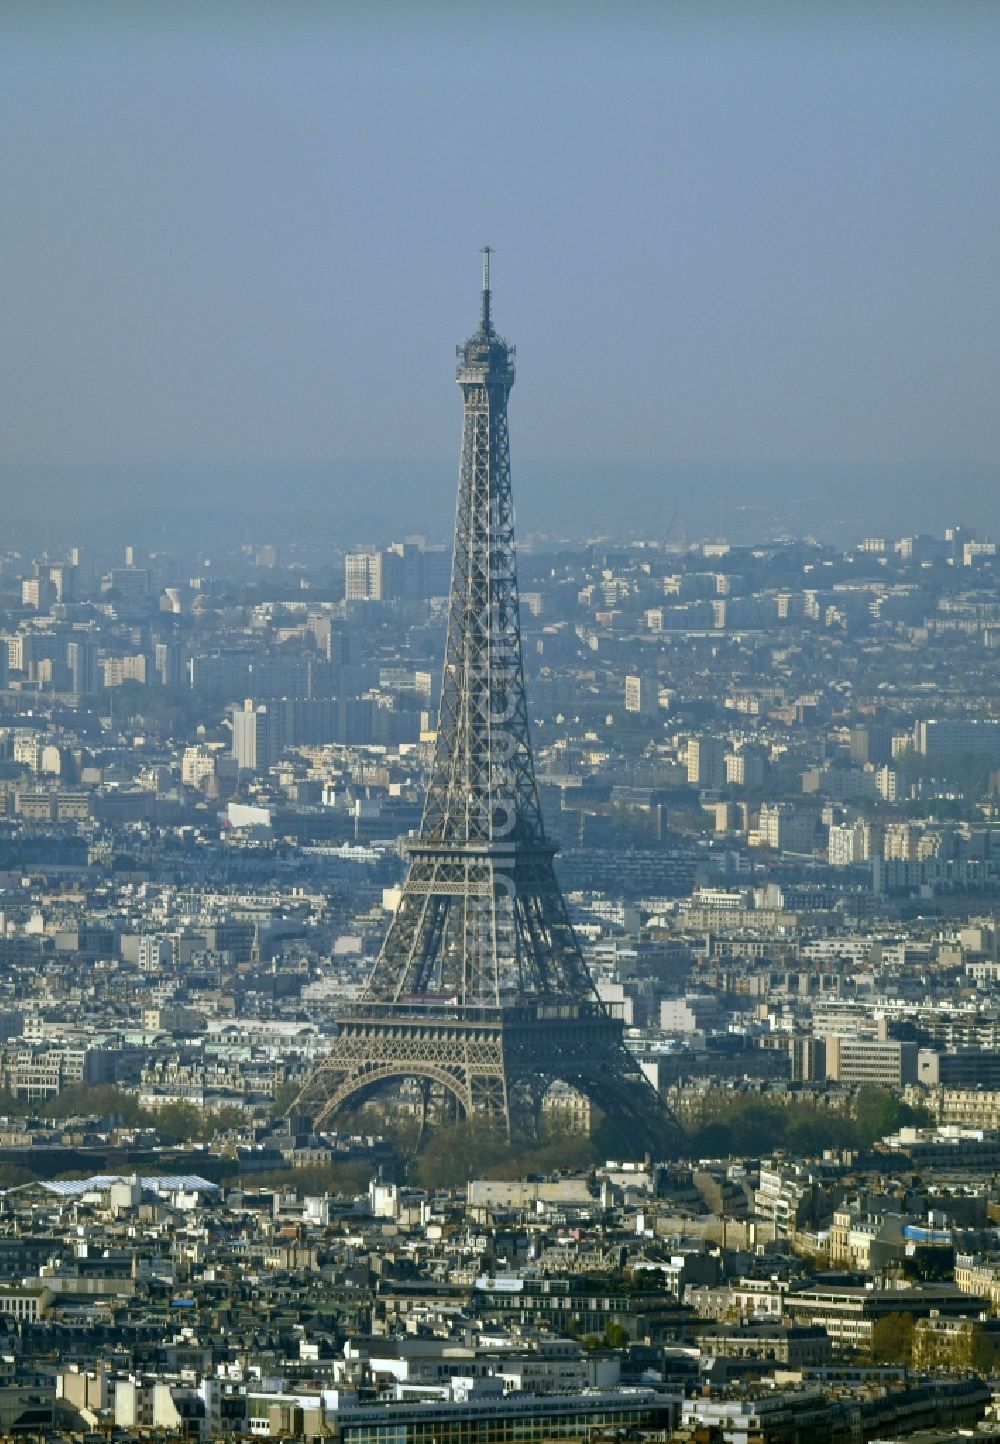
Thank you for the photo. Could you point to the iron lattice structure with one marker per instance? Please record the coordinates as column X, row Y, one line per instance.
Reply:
column 480, row 987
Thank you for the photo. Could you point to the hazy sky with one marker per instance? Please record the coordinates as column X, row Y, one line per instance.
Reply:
column 754, row 234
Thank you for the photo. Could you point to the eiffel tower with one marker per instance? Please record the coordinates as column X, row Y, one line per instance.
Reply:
column 480, row 990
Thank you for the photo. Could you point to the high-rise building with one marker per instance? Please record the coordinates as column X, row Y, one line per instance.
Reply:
column 168, row 660
column 38, row 592
column 405, row 571
column 706, row 762
column 746, row 767
column 252, row 738
column 887, row 783
column 81, row 658
column 785, row 828
column 642, row 695
column 81, row 559
column 872, row 743
column 849, row 843
column 198, row 765
column 363, row 577
column 118, row 671
column 938, row 737
column 127, row 582
column 436, row 572
column 923, row 548
column 63, row 578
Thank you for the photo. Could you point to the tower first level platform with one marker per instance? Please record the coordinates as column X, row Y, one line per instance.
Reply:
column 492, row 1062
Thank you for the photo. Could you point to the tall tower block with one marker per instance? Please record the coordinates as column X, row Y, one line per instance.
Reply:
column 480, row 990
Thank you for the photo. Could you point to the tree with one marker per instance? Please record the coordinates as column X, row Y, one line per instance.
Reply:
column 714, row 1140
column 876, row 1112
column 400, row 1129
column 221, row 1120
column 346, row 1178
column 11, row 1107
column 460, row 1151
column 83, row 1100
column 892, row 1339
column 179, row 1122
column 285, row 1095
column 812, row 1129
column 478, row 1148
column 12, row 1174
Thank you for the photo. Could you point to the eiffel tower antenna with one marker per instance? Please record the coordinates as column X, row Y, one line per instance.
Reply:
column 486, row 326
column 480, row 990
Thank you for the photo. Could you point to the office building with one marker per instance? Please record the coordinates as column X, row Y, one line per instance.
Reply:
column 168, row 661
column 706, row 762
column 252, row 738
column 746, row 767
column 642, row 695
column 886, row 1063
column 81, row 659
column 849, row 843
column 363, row 577
column 871, row 743
column 937, row 737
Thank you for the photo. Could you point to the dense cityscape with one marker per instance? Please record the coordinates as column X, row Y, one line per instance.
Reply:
column 500, row 919
column 772, row 772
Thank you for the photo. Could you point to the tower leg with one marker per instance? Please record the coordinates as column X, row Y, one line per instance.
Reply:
column 490, row 1095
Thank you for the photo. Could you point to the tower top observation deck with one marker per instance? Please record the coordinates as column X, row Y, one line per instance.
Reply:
column 486, row 359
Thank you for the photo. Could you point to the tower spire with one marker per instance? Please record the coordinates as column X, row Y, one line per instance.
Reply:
column 487, row 323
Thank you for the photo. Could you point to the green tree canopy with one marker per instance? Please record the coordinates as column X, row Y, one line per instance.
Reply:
column 892, row 1339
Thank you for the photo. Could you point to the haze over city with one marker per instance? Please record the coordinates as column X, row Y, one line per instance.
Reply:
column 499, row 923
column 747, row 254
